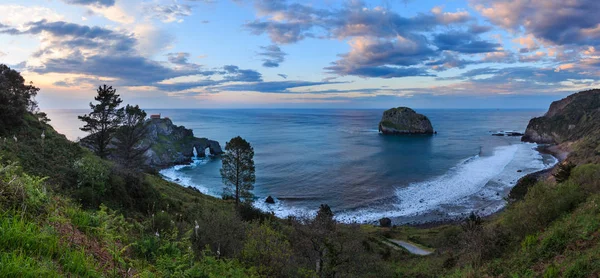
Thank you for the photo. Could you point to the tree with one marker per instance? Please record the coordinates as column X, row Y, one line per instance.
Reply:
column 129, row 150
column 16, row 98
column 237, row 171
column 104, row 119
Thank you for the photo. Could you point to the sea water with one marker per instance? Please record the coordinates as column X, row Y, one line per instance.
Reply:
column 305, row 158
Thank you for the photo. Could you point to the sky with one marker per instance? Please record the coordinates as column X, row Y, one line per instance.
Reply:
column 304, row 54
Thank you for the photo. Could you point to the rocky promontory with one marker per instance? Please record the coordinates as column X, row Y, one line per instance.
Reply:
column 568, row 119
column 168, row 144
column 172, row 144
column 403, row 120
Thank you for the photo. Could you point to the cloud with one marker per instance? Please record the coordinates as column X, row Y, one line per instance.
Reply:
column 273, row 56
column 382, row 58
column 558, row 22
column 449, row 60
column 20, row 15
column 100, row 3
column 290, row 23
column 235, row 74
column 463, row 42
column 272, row 86
column 169, row 13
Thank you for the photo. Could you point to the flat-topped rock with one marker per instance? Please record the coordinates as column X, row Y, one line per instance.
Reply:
column 403, row 120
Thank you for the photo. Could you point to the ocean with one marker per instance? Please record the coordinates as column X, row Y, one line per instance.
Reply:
column 308, row 157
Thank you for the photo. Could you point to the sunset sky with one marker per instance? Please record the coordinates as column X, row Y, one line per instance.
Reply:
column 305, row 54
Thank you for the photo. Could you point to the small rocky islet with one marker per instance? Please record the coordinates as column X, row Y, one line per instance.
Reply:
column 403, row 120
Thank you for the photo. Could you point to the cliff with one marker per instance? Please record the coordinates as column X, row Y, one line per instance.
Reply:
column 172, row 144
column 169, row 144
column 403, row 120
column 568, row 119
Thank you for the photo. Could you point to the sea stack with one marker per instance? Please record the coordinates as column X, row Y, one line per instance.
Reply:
column 403, row 120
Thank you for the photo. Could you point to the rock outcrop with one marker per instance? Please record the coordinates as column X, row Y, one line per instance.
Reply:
column 568, row 119
column 403, row 120
column 172, row 144
column 168, row 144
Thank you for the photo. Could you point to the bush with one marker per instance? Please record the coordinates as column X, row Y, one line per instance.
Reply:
column 268, row 250
column 21, row 191
column 588, row 177
column 543, row 204
column 221, row 230
column 93, row 173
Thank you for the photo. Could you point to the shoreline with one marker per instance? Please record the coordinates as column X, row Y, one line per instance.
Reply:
column 556, row 151
column 553, row 150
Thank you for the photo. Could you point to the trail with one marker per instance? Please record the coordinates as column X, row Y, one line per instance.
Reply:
column 412, row 248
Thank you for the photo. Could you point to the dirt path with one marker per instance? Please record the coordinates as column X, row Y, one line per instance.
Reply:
column 414, row 249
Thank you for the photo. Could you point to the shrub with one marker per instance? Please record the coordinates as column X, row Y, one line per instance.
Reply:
column 21, row 191
column 221, row 230
column 267, row 249
column 93, row 173
column 543, row 204
column 588, row 177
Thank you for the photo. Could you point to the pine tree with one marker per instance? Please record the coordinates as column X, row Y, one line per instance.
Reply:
column 105, row 118
column 129, row 150
column 237, row 171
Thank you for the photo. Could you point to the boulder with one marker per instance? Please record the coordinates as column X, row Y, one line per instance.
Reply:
column 403, row 120
column 270, row 200
column 385, row 222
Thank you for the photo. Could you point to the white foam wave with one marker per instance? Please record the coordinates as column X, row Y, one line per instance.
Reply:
column 175, row 175
column 462, row 189
column 281, row 210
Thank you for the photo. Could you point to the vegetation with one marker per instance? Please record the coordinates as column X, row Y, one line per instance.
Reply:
column 238, row 169
column 66, row 212
column 103, row 121
column 16, row 99
column 128, row 151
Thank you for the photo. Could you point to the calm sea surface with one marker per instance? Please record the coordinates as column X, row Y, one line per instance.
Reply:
column 305, row 158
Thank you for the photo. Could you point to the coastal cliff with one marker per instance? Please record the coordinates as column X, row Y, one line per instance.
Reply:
column 568, row 119
column 168, row 144
column 172, row 144
column 403, row 120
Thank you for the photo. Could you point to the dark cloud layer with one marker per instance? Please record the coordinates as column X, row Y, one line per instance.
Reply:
column 105, row 3
column 272, row 56
column 463, row 42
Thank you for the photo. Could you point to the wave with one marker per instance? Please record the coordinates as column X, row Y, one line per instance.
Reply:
column 174, row 174
column 476, row 183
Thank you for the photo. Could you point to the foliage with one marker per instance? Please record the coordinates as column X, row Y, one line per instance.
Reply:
column 92, row 173
column 237, row 171
column 128, row 150
column 16, row 99
column 104, row 119
column 268, row 250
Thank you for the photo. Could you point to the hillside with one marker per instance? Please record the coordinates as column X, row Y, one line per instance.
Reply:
column 573, row 123
column 65, row 212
